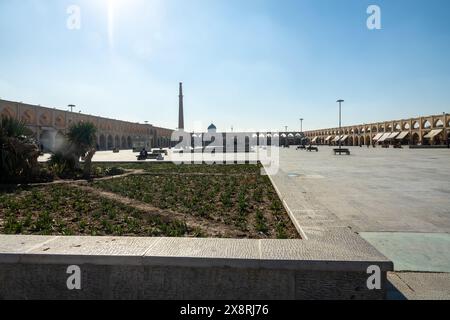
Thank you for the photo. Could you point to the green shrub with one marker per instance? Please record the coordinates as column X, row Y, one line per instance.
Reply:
column 63, row 165
column 18, row 152
column 114, row 171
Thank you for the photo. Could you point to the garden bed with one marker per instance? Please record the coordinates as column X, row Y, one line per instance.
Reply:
column 227, row 201
column 68, row 210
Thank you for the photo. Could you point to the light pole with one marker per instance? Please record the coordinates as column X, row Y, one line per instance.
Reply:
column 286, row 142
column 71, row 106
column 340, row 120
column 301, row 131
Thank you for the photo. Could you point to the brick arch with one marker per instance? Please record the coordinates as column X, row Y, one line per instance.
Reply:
column 437, row 140
column 439, row 123
column 350, row 141
column 28, row 116
column 415, row 138
column 45, row 119
column 110, row 142
column 117, row 141
column 8, row 112
column 60, row 121
column 426, row 124
column 102, row 142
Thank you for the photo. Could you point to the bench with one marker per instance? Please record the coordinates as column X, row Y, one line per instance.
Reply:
column 151, row 156
column 341, row 151
column 300, row 147
column 311, row 148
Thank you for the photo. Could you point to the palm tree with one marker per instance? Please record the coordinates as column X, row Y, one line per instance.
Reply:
column 82, row 138
column 18, row 152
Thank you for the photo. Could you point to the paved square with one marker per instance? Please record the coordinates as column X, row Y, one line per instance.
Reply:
column 398, row 200
column 405, row 190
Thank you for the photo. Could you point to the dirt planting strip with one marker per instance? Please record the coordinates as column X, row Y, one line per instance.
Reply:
column 209, row 227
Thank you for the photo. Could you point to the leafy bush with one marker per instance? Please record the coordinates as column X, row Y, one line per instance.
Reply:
column 18, row 152
column 82, row 139
column 62, row 164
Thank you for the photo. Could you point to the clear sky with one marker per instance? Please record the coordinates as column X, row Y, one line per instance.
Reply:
column 253, row 64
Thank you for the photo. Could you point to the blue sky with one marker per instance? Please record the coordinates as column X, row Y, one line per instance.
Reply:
column 254, row 64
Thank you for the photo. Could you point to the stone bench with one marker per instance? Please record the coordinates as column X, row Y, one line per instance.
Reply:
column 36, row 267
column 341, row 151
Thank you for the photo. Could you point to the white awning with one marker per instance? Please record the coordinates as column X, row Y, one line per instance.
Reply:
column 402, row 135
column 384, row 137
column 328, row 138
column 337, row 138
column 377, row 137
column 433, row 133
column 392, row 135
column 344, row 138
column 315, row 139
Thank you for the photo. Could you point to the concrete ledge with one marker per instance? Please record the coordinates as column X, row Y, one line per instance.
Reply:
column 34, row 267
column 429, row 147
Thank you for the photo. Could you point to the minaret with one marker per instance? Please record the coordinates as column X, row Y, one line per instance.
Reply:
column 181, row 110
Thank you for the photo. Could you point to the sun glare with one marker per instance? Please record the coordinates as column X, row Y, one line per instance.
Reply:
column 112, row 6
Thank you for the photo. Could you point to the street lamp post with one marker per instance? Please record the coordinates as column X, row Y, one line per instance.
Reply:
column 301, row 131
column 71, row 106
column 340, row 120
column 286, row 136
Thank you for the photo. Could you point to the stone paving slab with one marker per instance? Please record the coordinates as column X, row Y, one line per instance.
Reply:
column 103, row 246
column 74, row 249
column 419, row 286
column 204, row 252
column 342, row 250
column 22, row 243
column 425, row 252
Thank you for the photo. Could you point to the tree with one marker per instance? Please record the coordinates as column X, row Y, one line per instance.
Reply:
column 82, row 139
column 19, row 151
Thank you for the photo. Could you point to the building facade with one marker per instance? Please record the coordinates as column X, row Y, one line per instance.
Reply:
column 427, row 130
column 50, row 126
